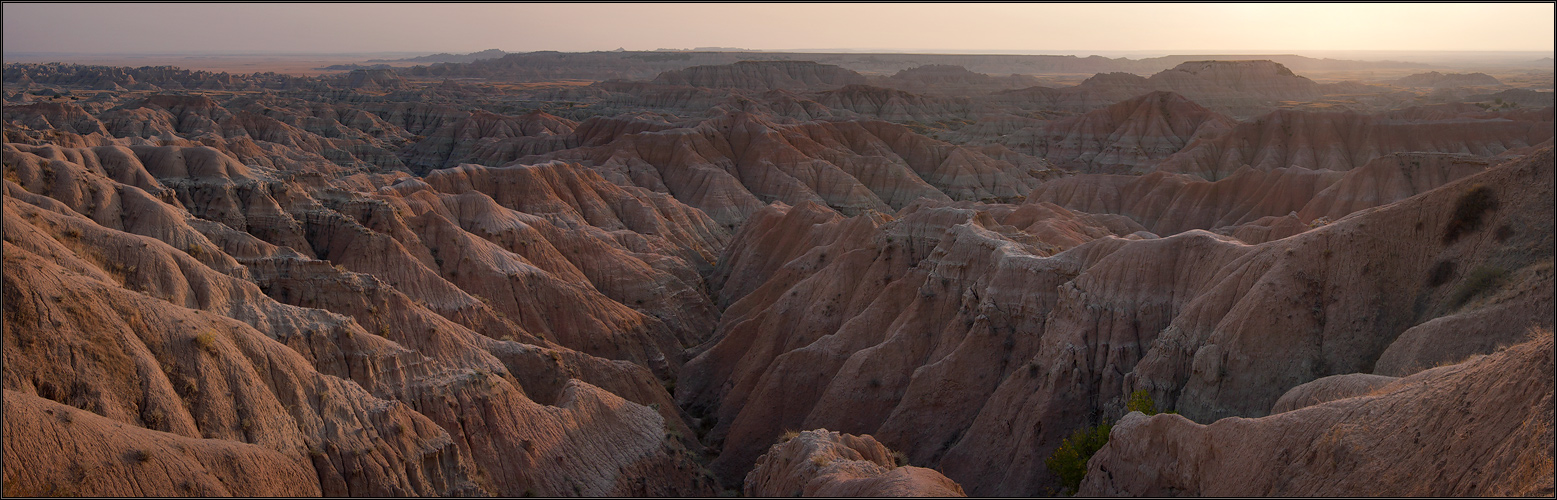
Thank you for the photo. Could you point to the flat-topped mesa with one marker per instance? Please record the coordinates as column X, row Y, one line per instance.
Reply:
column 1240, row 88
column 1265, row 79
column 1434, row 79
column 763, row 75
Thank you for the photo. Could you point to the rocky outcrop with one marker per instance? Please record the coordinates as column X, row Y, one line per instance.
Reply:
column 826, row 340
column 1347, row 140
column 377, row 79
column 109, row 458
column 732, row 165
column 489, row 139
column 418, row 368
column 828, row 464
column 1329, row 389
column 1388, row 179
column 869, row 322
column 65, row 117
column 1130, row 136
column 253, row 134
column 1172, row 203
column 1409, row 439
column 1192, row 363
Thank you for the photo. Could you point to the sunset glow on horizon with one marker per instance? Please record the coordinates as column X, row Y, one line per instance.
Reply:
column 347, row 28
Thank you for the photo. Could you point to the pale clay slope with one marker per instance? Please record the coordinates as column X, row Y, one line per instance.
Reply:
column 828, row 464
column 1457, row 430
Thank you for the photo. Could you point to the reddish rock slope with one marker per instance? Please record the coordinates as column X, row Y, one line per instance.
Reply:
column 1413, row 437
column 1209, row 326
column 1131, row 135
column 732, row 165
column 828, row 464
column 197, row 329
column 1347, row 140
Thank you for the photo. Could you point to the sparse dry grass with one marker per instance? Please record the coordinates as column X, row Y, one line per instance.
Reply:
column 207, row 341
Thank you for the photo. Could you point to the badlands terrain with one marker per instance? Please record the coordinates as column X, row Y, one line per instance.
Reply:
column 724, row 273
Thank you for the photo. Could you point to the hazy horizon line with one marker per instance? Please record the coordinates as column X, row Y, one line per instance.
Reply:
column 1039, row 52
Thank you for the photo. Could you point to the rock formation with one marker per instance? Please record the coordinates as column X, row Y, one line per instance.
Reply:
column 1131, row 135
column 489, row 139
column 1346, row 140
column 1237, row 88
column 417, row 282
column 1408, row 438
column 1435, row 79
column 825, row 341
column 385, row 360
column 896, row 105
column 828, row 464
column 732, row 165
column 1212, row 81
column 1172, row 203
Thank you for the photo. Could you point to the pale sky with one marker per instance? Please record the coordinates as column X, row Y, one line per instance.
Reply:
column 461, row 28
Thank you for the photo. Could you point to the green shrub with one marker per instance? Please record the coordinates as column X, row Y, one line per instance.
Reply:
column 1479, row 281
column 1069, row 461
column 1441, row 273
column 1141, row 401
column 1468, row 212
